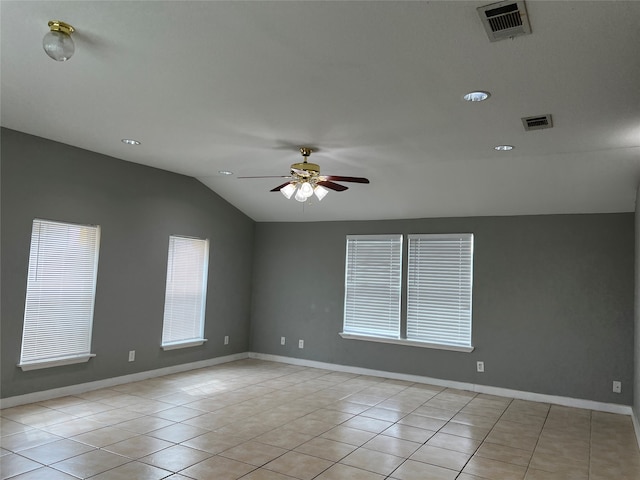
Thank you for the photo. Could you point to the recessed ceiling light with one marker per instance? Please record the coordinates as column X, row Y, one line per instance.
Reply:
column 225, row 172
column 503, row 148
column 130, row 141
column 476, row 96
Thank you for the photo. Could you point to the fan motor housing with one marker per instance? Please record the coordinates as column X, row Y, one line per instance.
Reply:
column 311, row 168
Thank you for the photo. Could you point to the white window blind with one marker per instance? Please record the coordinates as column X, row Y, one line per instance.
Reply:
column 185, row 295
column 373, row 285
column 61, row 285
column 439, row 285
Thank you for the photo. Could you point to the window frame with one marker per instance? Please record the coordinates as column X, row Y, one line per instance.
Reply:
column 169, row 341
column 56, row 256
column 402, row 338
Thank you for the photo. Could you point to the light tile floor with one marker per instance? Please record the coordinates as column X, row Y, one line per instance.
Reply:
column 259, row 420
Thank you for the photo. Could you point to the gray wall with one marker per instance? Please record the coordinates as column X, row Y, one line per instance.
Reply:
column 553, row 302
column 553, row 295
column 137, row 208
column 636, row 390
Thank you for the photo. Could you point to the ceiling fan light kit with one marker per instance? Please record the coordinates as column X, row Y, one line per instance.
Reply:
column 304, row 190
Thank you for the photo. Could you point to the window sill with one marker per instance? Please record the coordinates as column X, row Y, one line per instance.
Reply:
column 404, row 341
column 189, row 343
column 55, row 362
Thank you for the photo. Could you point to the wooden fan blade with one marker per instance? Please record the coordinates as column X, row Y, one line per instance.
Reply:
column 270, row 176
column 333, row 186
column 278, row 188
column 347, row 179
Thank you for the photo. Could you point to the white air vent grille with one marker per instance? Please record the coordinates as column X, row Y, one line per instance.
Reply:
column 505, row 20
column 538, row 122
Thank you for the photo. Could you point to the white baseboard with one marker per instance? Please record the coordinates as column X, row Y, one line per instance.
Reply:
column 111, row 382
column 502, row 392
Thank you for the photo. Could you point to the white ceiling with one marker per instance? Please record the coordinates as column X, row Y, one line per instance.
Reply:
column 376, row 87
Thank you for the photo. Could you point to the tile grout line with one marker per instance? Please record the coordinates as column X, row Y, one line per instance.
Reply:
column 485, row 437
column 546, row 418
column 590, row 443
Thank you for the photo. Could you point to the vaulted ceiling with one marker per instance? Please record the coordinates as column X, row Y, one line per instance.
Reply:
column 374, row 87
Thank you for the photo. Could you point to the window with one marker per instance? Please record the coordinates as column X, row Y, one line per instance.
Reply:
column 61, row 286
column 439, row 282
column 185, row 296
column 373, row 285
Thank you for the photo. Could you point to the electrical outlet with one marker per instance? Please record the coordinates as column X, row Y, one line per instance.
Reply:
column 617, row 387
column 226, row 339
column 282, row 340
column 480, row 366
column 132, row 355
column 300, row 343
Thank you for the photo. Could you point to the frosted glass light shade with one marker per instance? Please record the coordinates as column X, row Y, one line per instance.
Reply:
column 320, row 192
column 288, row 190
column 58, row 45
column 300, row 196
column 306, row 189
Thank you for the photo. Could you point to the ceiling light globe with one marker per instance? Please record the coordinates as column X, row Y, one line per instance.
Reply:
column 58, row 45
column 306, row 189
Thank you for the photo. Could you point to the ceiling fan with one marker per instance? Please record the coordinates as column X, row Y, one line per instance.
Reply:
column 306, row 180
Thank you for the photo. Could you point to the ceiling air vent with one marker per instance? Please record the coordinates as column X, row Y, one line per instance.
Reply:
column 505, row 20
column 538, row 122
